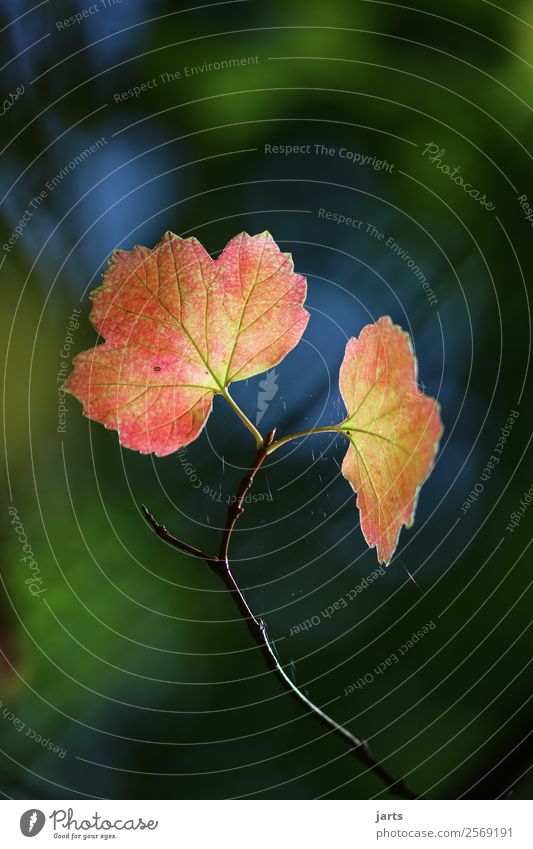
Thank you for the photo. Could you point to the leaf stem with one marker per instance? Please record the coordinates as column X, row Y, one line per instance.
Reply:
column 243, row 417
column 256, row 626
column 301, row 433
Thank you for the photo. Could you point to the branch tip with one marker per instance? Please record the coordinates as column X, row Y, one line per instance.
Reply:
column 165, row 535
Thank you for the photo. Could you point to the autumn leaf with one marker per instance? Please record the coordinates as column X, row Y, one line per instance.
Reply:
column 393, row 428
column 179, row 328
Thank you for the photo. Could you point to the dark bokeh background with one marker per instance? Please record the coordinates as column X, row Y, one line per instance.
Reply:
column 133, row 660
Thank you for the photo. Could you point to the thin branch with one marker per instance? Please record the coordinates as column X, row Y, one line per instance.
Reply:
column 237, row 508
column 257, row 627
column 162, row 532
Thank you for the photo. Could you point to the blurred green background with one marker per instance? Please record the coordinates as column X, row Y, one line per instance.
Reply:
column 132, row 661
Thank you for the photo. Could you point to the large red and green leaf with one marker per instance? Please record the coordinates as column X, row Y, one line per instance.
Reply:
column 180, row 327
column 393, row 428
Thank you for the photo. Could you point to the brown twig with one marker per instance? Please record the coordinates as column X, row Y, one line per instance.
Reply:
column 257, row 628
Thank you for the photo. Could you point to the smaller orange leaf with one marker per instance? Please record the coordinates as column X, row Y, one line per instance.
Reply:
column 393, row 428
